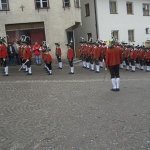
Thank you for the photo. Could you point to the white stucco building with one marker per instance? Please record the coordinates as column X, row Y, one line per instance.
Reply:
column 125, row 20
column 50, row 20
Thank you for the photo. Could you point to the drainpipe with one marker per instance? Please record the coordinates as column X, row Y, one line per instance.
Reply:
column 74, row 45
column 96, row 24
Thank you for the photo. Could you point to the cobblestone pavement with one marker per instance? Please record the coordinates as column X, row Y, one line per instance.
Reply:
column 74, row 112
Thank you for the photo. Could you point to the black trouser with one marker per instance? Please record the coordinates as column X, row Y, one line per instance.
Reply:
column 3, row 62
column 83, row 58
column 142, row 62
column 28, row 63
column 49, row 65
column 132, row 62
column 114, row 71
column 71, row 63
column 87, row 59
column 96, row 62
column 147, row 62
column 127, row 61
column 100, row 59
column 22, row 61
column 137, row 60
column 91, row 60
column 17, row 59
column 58, row 58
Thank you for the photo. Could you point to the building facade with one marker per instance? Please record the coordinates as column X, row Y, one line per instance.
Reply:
column 125, row 20
column 42, row 20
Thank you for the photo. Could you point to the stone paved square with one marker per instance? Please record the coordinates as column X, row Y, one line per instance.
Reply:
column 74, row 112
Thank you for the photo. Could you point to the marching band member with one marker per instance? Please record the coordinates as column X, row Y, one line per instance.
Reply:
column 127, row 57
column 47, row 58
column 96, row 55
column 88, row 55
column 70, row 56
column 27, row 56
column 113, row 61
column 147, row 60
column 58, row 55
column 82, row 50
column 92, row 56
column 133, row 56
column 4, row 56
column 141, row 58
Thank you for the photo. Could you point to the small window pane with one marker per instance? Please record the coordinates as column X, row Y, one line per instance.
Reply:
column 41, row 3
column 113, row 7
column 131, row 35
column 3, row 1
column 45, row 4
column 146, row 9
column 38, row 5
column 89, row 37
column 77, row 3
column 87, row 10
column 115, row 35
column 66, row 3
column 4, row 6
column 129, row 8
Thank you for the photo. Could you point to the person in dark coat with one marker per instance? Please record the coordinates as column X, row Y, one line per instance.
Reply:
column 11, row 54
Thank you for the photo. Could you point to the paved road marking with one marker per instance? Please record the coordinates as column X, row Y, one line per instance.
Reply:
column 70, row 81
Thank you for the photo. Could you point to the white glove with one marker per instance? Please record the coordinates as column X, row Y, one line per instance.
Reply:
column 4, row 59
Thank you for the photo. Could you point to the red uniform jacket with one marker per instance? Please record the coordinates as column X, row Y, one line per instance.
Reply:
column 127, row 53
column 113, row 56
column 81, row 50
column 92, row 52
column 36, row 50
column 100, row 51
column 70, row 54
column 58, row 51
column 3, row 51
column 96, row 53
column 86, row 51
column 104, row 48
column 89, row 50
column 133, row 55
column 141, row 54
column 43, row 56
column 47, row 58
column 27, row 53
column 20, row 51
column 147, row 55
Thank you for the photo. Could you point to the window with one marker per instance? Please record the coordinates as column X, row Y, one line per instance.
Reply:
column 66, row 3
column 4, row 5
column 89, row 37
column 131, row 35
column 147, row 30
column 87, row 10
column 146, row 9
column 113, row 7
column 77, row 3
column 129, row 8
column 115, row 35
column 41, row 4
